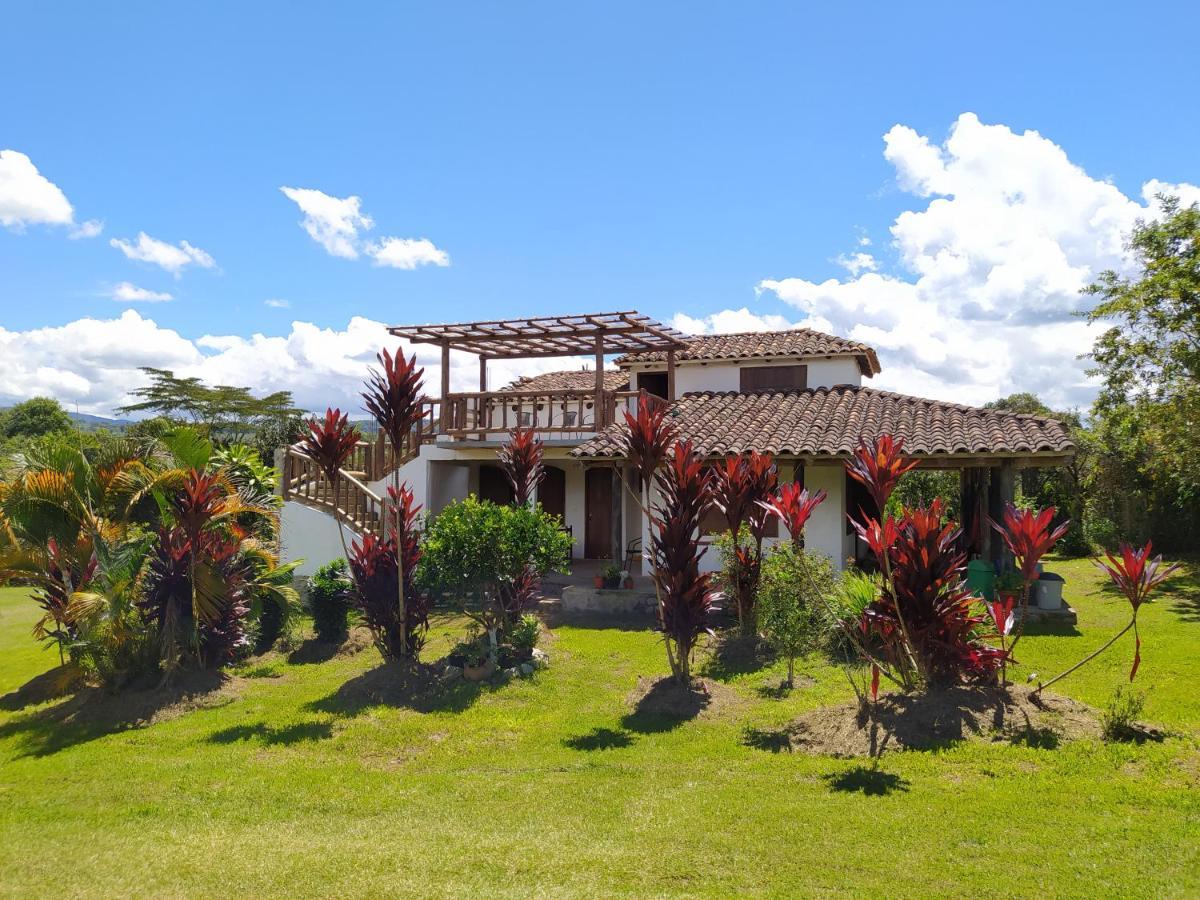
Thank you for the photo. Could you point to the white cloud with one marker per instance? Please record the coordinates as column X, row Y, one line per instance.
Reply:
column 27, row 197
column 131, row 293
column 276, row 303
column 990, row 269
column 332, row 222
column 93, row 363
column 857, row 262
column 336, row 224
column 732, row 321
column 406, row 253
column 89, row 229
column 174, row 258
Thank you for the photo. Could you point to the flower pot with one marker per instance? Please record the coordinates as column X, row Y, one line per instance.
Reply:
column 629, row 584
column 479, row 673
column 598, row 581
column 612, row 584
column 1049, row 590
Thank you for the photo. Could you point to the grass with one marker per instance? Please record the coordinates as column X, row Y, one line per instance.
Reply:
column 313, row 779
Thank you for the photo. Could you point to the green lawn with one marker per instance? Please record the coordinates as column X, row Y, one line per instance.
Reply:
column 306, row 779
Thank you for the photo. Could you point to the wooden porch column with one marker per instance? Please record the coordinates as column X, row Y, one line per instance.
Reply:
column 618, row 496
column 598, row 406
column 482, row 374
column 445, row 385
column 671, row 374
column 1001, row 490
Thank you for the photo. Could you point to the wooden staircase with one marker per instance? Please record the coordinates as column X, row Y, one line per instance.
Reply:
column 349, row 498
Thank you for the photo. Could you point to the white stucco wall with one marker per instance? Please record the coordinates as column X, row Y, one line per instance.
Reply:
column 310, row 535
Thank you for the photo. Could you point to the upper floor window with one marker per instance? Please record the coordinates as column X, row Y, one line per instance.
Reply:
column 774, row 378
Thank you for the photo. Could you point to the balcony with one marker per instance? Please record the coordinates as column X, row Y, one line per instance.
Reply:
column 558, row 414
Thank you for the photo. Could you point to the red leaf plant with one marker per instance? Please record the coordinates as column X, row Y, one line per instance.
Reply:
column 1136, row 576
column 521, row 459
column 923, row 614
column 1029, row 536
column 685, row 594
column 879, row 466
column 373, row 562
column 393, row 398
column 649, row 436
column 793, row 506
column 741, row 487
column 197, row 592
column 329, row 442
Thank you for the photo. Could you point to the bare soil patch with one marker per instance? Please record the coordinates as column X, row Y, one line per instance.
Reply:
column 660, row 704
column 939, row 718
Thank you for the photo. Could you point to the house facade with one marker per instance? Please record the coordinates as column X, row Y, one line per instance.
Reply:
column 799, row 395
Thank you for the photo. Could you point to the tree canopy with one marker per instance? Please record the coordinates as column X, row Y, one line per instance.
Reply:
column 34, row 418
column 227, row 412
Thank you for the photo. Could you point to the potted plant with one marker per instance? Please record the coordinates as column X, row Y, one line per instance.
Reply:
column 626, row 580
column 598, row 581
column 479, row 663
column 612, row 577
column 1009, row 584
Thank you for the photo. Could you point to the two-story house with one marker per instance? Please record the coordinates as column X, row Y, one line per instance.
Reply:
column 798, row 395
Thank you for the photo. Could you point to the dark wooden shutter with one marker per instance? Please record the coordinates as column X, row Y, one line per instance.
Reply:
column 774, row 378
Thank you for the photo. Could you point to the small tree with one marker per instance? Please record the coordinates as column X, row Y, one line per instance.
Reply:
column 479, row 553
column 790, row 593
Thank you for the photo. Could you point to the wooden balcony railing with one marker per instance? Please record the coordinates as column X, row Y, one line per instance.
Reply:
column 562, row 413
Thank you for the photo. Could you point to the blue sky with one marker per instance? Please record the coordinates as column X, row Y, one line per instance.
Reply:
column 565, row 157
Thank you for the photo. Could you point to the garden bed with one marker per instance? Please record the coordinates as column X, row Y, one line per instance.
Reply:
column 942, row 717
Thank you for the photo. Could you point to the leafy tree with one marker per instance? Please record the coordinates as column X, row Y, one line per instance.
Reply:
column 1149, row 358
column 474, row 548
column 34, row 418
column 226, row 412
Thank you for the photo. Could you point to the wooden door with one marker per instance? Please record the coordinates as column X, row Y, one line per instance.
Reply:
column 552, row 492
column 597, row 534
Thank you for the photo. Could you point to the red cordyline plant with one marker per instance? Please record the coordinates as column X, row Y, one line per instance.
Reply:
column 879, row 466
column 393, row 398
column 793, row 505
column 686, row 595
column 376, row 574
column 741, row 487
column 328, row 443
column 649, row 436
column 197, row 592
column 1136, row 576
column 521, row 459
column 927, row 592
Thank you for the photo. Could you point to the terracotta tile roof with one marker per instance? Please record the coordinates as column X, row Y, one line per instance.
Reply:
column 831, row 421
column 758, row 344
column 570, row 380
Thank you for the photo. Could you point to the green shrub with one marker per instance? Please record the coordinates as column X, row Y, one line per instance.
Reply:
column 790, row 611
column 489, row 557
column 329, row 591
column 855, row 591
column 523, row 636
column 1118, row 721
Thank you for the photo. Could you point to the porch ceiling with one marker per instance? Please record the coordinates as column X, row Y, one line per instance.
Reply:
column 612, row 332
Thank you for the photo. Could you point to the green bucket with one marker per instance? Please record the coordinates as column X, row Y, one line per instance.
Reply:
column 981, row 578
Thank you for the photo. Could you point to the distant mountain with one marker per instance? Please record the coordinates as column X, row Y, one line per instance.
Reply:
column 94, row 423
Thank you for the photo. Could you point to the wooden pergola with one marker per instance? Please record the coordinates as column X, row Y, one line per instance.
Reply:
column 545, row 336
